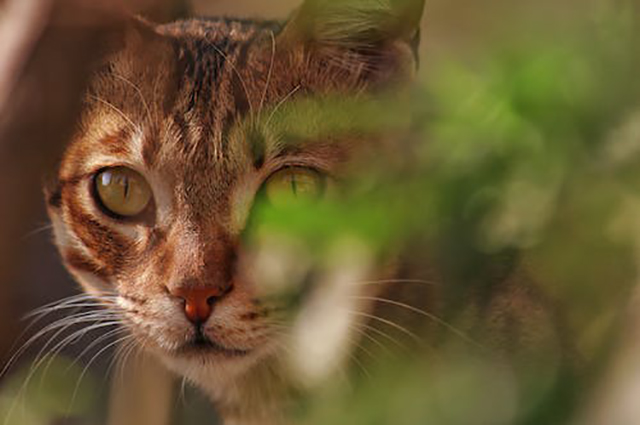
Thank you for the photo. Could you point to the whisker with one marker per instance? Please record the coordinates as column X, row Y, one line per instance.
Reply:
column 40, row 358
column 56, row 351
column 281, row 103
column 76, row 319
column 94, row 343
column 182, row 397
column 64, row 302
column 384, row 335
column 88, row 365
column 118, row 355
column 137, row 90
column 388, row 281
column 69, row 340
column 235, row 70
column 41, row 229
column 426, row 314
column 118, row 111
column 359, row 346
column 122, row 357
column 357, row 361
column 281, row 344
column 39, row 314
column 134, row 356
column 64, row 323
column 36, row 316
column 389, row 323
column 364, row 333
column 269, row 73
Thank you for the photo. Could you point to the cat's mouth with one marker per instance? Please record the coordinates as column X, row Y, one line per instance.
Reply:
column 201, row 344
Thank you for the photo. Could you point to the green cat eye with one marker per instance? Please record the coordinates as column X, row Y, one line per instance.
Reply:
column 122, row 191
column 294, row 184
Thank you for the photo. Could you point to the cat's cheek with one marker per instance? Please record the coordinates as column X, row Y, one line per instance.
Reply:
column 93, row 284
column 75, row 256
column 63, row 238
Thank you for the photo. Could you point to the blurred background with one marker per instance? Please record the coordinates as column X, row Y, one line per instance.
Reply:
column 531, row 111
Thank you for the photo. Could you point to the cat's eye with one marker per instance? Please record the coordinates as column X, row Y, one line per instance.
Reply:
column 122, row 192
column 294, row 184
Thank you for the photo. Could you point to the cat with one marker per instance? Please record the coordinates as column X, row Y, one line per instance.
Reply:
column 174, row 147
column 181, row 137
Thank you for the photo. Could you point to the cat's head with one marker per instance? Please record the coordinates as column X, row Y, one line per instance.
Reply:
column 184, row 132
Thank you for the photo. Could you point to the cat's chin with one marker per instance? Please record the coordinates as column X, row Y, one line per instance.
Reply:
column 214, row 369
column 200, row 354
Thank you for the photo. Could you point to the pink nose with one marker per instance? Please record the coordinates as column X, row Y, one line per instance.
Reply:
column 198, row 302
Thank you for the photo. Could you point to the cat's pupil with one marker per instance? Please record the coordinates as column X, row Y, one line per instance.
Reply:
column 125, row 183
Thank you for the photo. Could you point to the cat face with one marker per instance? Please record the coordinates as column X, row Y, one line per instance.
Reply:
column 182, row 137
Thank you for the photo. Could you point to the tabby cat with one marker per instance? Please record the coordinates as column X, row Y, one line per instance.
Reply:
column 181, row 137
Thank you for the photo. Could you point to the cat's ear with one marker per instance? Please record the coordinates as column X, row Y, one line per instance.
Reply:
column 357, row 24
column 141, row 40
column 375, row 39
column 140, row 53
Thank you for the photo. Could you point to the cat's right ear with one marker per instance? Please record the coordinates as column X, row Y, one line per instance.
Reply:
column 385, row 33
column 138, row 49
column 354, row 23
column 139, row 57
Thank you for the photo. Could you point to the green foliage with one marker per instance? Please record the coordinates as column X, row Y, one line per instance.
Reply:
column 534, row 151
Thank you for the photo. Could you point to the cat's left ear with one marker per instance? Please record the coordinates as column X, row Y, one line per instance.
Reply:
column 385, row 29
